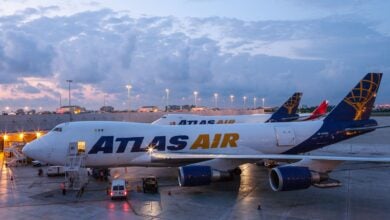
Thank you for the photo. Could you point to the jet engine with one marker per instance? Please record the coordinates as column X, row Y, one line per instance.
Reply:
column 201, row 175
column 289, row 178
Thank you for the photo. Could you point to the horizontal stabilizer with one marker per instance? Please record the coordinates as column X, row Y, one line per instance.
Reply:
column 367, row 128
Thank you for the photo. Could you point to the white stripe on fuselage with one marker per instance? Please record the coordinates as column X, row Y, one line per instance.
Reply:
column 253, row 138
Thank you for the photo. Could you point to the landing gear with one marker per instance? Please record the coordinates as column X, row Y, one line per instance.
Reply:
column 268, row 163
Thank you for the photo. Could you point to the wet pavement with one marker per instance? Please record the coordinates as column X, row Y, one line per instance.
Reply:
column 365, row 194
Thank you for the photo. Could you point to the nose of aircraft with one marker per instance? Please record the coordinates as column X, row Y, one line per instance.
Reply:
column 32, row 150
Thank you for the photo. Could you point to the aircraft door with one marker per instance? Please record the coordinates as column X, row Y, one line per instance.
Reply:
column 76, row 148
column 72, row 151
column 285, row 136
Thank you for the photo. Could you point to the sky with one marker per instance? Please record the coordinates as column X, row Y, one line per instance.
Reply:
column 253, row 48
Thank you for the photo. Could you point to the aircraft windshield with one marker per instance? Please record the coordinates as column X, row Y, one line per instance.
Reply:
column 57, row 129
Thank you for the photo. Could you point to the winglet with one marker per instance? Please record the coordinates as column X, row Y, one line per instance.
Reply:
column 358, row 103
column 288, row 111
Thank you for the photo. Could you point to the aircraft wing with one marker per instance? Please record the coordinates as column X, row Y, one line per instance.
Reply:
column 186, row 156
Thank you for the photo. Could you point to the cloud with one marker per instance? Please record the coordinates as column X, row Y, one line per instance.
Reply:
column 22, row 54
column 102, row 51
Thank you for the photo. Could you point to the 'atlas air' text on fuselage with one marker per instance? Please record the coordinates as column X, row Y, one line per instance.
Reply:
column 204, row 122
column 106, row 144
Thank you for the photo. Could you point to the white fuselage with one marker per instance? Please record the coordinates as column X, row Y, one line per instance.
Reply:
column 112, row 144
column 192, row 119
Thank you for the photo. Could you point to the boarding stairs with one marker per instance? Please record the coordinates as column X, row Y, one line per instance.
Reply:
column 76, row 174
column 19, row 158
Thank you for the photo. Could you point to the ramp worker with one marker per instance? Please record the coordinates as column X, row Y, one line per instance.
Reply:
column 62, row 185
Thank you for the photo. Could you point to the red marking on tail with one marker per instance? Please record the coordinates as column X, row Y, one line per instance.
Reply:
column 319, row 111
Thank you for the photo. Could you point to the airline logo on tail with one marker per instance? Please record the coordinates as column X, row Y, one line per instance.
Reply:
column 287, row 112
column 293, row 102
column 362, row 94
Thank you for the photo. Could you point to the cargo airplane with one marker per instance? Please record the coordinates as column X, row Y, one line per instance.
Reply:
column 204, row 154
column 287, row 112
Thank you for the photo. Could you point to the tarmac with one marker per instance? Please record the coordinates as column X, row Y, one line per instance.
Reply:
column 364, row 194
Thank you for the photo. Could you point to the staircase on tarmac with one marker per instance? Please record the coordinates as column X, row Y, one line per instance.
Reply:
column 76, row 174
column 19, row 158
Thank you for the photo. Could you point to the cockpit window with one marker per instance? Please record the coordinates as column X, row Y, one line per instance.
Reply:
column 57, row 129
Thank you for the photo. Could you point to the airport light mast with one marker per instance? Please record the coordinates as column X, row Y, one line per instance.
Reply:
column 254, row 102
column 216, row 99
column 263, row 99
column 128, row 87
column 195, row 97
column 244, row 98
column 231, row 100
column 167, row 99
column 69, row 97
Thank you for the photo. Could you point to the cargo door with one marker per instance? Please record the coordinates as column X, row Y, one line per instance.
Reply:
column 285, row 136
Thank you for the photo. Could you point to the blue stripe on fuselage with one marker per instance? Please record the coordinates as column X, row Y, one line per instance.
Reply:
column 330, row 133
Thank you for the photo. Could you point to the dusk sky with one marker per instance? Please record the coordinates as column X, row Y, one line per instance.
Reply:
column 253, row 48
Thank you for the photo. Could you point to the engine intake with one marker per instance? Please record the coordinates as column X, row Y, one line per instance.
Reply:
column 289, row 178
column 200, row 175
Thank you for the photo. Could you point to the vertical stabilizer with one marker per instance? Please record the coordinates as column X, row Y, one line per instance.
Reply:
column 288, row 111
column 319, row 111
column 358, row 103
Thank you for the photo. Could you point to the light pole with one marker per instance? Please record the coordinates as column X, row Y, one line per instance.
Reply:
column 231, row 100
column 128, row 87
column 216, row 99
column 263, row 99
column 166, row 105
column 70, row 108
column 195, row 97
column 244, row 98
column 69, row 82
column 254, row 102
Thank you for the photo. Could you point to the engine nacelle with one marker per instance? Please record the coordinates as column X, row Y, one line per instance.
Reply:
column 200, row 175
column 294, row 178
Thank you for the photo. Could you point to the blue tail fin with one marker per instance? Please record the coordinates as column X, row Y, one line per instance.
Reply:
column 288, row 111
column 358, row 103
